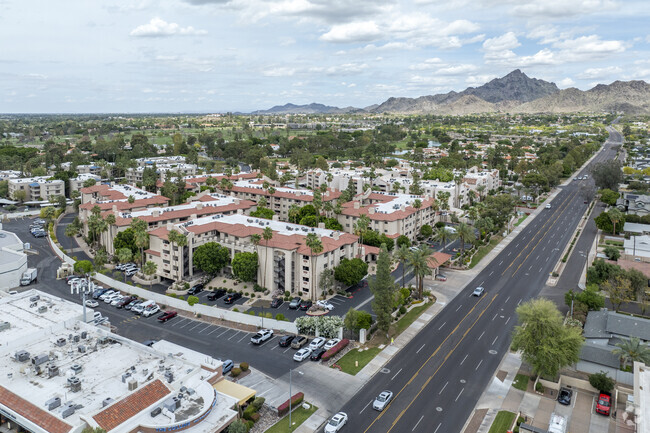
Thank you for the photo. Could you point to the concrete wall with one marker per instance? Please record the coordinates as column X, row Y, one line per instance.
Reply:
column 619, row 376
column 204, row 310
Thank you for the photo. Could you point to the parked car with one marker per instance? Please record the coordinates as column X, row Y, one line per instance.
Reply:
column 305, row 305
column 131, row 272
column 276, row 302
column 336, row 423
column 382, row 400
column 127, row 300
column 149, row 343
column 295, row 303
column 302, row 354
column 286, row 340
column 324, row 304
column 150, row 311
column 441, row 277
column 299, row 341
column 604, row 403
column 216, row 294
column 106, row 294
column 133, row 303
column 109, row 300
column 195, row 290
column 262, row 336
column 232, row 297
column 564, row 397
column 116, row 300
column 40, row 234
column 166, row 316
column 227, row 366
column 317, row 354
column 331, row 343
column 478, row 291
column 92, row 303
column 99, row 292
column 317, row 343
column 71, row 277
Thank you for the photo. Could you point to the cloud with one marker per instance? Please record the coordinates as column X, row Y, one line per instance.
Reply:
column 566, row 82
column 279, row 72
column 352, row 32
column 540, row 58
column 561, row 8
column 599, row 73
column 590, row 47
column 158, row 27
column 461, row 69
column 499, row 49
column 431, row 63
column 346, row 69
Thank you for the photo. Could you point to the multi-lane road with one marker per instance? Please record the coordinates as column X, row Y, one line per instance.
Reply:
column 439, row 376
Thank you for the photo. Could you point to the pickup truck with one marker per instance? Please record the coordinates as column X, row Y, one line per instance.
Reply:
column 262, row 336
column 604, row 403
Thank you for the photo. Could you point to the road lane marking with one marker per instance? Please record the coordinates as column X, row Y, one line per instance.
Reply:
column 417, row 423
column 459, row 307
column 443, row 325
column 458, row 396
column 479, row 364
column 495, row 340
column 491, row 274
column 400, row 370
column 436, row 430
column 507, row 299
column 495, row 316
column 481, row 335
column 509, row 253
column 508, row 320
column 500, row 263
column 364, row 408
column 421, row 348
column 461, row 362
column 443, row 388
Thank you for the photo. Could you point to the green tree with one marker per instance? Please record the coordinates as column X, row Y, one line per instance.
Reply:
column 83, row 267
column 244, row 266
column 48, row 213
column 140, row 236
column 315, row 246
column 20, row 195
column 546, row 344
column 125, row 239
column 619, row 290
column 632, row 350
column 327, row 280
column 402, row 255
column 426, row 231
column 419, row 261
column 382, row 287
column 263, row 212
column 601, row 382
column 192, row 300
column 361, row 228
column 93, row 430
column 443, row 235
column 101, row 258
column 465, row 233
column 211, row 258
column 615, row 216
column 124, row 255
column 612, row 253
column 89, row 182
column 608, row 196
column 149, row 269
column 607, row 175
column 403, row 240
column 357, row 319
column 238, row 426
column 350, row 271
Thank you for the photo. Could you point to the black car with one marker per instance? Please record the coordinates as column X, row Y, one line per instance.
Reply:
column 317, row 354
column 216, row 294
column 305, row 305
column 99, row 292
column 276, row 302
column 232, row 297
column 564, row 397
column 286, row 340
column 195, row 290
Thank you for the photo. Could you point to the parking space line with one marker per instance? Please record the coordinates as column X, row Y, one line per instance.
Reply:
column 197, row 325
column 215, row 329
column 204, row 328
column 227, row 329
column 245, row 335
column 183, row 319
column 234, row 334
column 287, row 349
column 187, row 323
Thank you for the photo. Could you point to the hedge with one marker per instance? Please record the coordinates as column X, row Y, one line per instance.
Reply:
column 283, row 409
column 336, row 349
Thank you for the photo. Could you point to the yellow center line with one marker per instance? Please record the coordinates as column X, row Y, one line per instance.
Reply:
column 440, row 366
column 428, row 359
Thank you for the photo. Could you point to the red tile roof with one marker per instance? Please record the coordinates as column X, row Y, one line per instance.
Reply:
column 128, row 407
column 32, row 412
column 333, row 194
column 438, row 259
column 348, row 209
column 125, row 205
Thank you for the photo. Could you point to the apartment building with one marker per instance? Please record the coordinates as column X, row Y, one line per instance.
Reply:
column 282, row 198
column 78, row 182
column 196, row 182
column 289, row 263
column 390, row 213
column 164, row 171
column 36, row 188
column 203, row 205
column 482, row 181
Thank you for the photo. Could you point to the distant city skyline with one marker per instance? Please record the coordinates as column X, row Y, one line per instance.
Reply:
column 243, row 55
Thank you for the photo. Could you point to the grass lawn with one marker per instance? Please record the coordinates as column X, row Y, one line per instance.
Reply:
column 347, row 362
column 298, row 416
column 521, row 382
column 521, row 220
column 502, row 422
column 410, row 317
column 482, row 252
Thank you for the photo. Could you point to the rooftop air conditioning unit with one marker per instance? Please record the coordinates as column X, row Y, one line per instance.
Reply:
column 75, row 384
column 22, row 356
column 53, row 403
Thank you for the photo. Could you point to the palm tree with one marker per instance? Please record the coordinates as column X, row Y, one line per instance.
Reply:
column 615, row 216
column 631, row 350
column 315, row 245
column 361, row 228
column 294, row 212
column 419, row 261
column 465, row 233
column 149, row 269
column 140, row 235
column 444, row 234
column 255, row 240
column 180, row 240
column 124, row 255
column 267, row 235
column 402, row 255
column 417, row 204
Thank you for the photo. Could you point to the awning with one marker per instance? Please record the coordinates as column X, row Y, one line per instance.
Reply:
column 239, row 392
column 437, row 259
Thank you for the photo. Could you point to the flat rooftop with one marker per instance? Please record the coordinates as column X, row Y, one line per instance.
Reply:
column 219, row 201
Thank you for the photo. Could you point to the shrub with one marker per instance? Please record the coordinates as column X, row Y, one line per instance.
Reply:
column 402, row 309
column 336, row 349
column 249, row 412
column 243, row 366
column 520, row 420
column 258, row 402
column 192, row 300
column 601, row 382
column 296, row 399
column 235, row 372
column 255, row 417
column 539, row 387
column 287, row 293
column 236, row 310
column 279, row 316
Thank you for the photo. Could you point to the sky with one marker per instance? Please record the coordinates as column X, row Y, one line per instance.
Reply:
column 98, row 56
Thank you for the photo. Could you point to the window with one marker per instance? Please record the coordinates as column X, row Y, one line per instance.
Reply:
column 305, row 268
column 305, row 279
column 305, row 257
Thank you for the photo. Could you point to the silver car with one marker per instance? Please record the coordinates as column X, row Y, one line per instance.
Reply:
column 382, row 400
column 336, row 422
column 478, row 291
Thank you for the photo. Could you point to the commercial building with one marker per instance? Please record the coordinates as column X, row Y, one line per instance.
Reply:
column 36, row 189
column 13, row 260
column 285, row 260
column 61, row 375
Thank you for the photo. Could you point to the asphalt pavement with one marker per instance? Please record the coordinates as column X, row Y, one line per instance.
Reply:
column 438, row 377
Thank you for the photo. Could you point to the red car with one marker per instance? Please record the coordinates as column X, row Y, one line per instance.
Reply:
column 167, row 315
column 604, row 403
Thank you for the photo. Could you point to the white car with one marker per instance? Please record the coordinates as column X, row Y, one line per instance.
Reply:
column 302, row 354
column 72, row 281
column 382, row 400
column 92, row 303
column 106, row 295
column 317, row 343
column 326, row 305
column 262, row 336
column 150, row 311
column 336, row 422
column 478, row 291
column 113, row 300
column 548, row 205
column 331, row 343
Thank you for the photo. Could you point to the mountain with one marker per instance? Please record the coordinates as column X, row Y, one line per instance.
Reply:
column 312, row 108
column 516, row 86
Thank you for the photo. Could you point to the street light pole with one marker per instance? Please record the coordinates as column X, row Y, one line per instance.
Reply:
column 290, row 370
